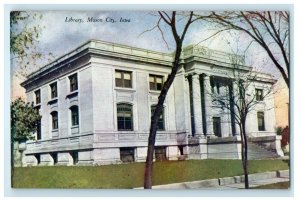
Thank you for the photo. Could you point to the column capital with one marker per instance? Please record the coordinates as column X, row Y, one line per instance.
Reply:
column 195, row 76
column 191, row 74
column 206, row 76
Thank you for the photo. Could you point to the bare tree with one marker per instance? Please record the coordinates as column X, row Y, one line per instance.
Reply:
column 239, row 99
column 268, row 29
column 25, row 33
column 171, row 20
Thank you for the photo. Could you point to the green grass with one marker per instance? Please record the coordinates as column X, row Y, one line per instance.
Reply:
column 131, row 175
column 280, row 185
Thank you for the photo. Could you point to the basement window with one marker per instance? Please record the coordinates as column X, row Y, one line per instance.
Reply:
column 38, row 158
column 74, row 155
column 54, row 157
column 127, row 155
column 180, row 150
column 160, row 154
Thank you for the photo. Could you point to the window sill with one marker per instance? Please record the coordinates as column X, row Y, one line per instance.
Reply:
column 75, row 129
column 37, row 105
column 72, row 94
column 155, row 91
column 124, row 89
column 125, row 131
column 54, row 133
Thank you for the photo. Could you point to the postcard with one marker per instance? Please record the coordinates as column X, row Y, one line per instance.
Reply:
column 150, row 99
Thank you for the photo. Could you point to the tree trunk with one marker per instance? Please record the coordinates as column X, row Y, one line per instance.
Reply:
column 155, row 116
column 245, row 154
column 164, row 91
column 11, row 163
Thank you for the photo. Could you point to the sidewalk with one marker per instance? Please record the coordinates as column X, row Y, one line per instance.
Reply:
column 251, row 184
column 236, row 182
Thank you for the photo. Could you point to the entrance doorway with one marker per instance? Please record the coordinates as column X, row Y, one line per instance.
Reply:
column 217, row 126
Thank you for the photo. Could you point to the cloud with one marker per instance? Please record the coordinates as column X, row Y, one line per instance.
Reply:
column 59, row 37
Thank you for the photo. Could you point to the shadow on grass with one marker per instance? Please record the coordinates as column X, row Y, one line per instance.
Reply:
column 280, row 185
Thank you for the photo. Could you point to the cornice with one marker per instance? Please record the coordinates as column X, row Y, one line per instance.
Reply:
column 97, row 48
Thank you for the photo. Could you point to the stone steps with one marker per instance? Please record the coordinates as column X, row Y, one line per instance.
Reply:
column 258, row 152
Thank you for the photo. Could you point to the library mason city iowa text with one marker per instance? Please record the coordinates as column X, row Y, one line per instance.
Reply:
column 96, row 103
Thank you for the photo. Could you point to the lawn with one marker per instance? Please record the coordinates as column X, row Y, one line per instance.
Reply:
column 131, row 175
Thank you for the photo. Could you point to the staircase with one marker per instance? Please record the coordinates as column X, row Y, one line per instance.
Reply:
column 256, row 151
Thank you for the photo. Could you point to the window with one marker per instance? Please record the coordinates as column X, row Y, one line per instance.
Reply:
column 39, row 130
column 53, row 88
column 74, row 115
column 259, row 94
column 37, row 96
column 155, row 82
column 261, row 121
column 54, row 157
column 73, row 82
column 161, row 121
column 123, row 79
column 214, row 83
column 74, row 155
column 54, row 120
column 242, row 89
column 38, row 158
column 218, row 87
column 127, row 155
column 217, row 126
column 125, row 120
column 180, row 147
column 160, row 153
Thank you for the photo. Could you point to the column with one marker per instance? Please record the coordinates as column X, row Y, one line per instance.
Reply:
column 235, row 93
column 208, row 106
column 191, row 104
column 197, row 105
column 226, row 116
column 232, row 117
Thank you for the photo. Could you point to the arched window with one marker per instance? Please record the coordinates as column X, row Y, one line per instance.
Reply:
column 74, row 115
column 54, row 115
column 161, row 119
column 125, row 118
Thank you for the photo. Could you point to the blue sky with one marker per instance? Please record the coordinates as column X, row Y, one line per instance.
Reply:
column 59, row 37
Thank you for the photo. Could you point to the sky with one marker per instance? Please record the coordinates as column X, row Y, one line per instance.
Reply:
column 60, row 34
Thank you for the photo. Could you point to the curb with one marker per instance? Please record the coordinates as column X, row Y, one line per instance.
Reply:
column 223, row 181
column 283, row 173
column 256, row 176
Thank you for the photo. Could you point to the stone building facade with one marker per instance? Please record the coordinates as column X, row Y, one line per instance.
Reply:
column 96, row 104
